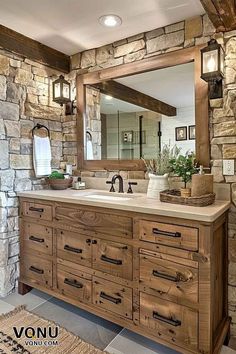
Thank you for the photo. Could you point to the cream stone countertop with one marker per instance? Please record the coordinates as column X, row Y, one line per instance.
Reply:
column 137, row 202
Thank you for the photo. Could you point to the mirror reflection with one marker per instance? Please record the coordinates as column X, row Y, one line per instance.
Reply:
column 133, row 117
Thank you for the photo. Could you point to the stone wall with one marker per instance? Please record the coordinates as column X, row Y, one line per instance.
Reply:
column 188, row 33
column 25, row 99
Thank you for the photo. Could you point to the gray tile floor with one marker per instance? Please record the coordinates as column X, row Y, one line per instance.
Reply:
column 101, row 333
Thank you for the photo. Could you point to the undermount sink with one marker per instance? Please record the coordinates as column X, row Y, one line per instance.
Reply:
column 107, row 197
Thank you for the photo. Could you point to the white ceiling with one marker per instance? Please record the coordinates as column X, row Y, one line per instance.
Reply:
column 174, row 85
column 72, row 25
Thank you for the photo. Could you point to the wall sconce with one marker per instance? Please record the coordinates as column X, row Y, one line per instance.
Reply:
column 212, row 68
column 61, row 91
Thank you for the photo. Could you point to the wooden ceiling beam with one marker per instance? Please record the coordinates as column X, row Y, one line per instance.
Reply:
column 127, row 94
column 33, row 50
column 222, row 13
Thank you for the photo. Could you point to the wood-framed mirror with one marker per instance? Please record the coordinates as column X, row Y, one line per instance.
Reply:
column 107, row 78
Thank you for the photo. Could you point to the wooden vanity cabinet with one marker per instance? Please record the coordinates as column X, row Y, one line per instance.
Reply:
column 162, row 277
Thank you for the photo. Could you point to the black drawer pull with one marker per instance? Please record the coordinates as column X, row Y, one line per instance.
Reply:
column 165, row 233
column 111, row 260
column 170, row 321
column 39, row 210
column 110, row 298
column 73, row 283
column 36, row 270
column 72, row 249
column 155, row 273
column 36, row 239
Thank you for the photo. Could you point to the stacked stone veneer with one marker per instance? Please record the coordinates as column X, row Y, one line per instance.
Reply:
column 25, row 99
column 222, row 127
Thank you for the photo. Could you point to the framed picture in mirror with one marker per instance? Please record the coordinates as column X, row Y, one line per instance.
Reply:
column 180, row 133
column 191, row 132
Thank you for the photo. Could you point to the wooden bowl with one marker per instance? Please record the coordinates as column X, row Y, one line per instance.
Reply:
column 60, row 184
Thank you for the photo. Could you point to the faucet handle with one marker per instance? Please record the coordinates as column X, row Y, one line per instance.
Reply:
column 130, row 186
column 112, row 189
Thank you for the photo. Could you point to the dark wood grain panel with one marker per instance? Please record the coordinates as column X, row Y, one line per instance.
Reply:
column 37, row 270
column 31, row 49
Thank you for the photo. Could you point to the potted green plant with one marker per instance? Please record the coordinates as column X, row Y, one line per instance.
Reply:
column 158, row 170
column 184, row 166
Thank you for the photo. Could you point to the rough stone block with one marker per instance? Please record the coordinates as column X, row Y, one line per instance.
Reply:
column 2, row 129
column 22, row 184
column 3, row 88
column 229, row 151
column 155, row 33
column 42, row 112
column 9, row 111
column 165, row 41
column 103, row 54
column 8, row 276
column 6, row 180
column 3, row 252
column 75, row 61
column 4, row 154
column 23, row 77
column 225, row 129
column 135, row 56
column 4, row 65
column 208, row 28
column 12, row 128
column 129, row 48
column 20, row 162
column 174, row 27
column 26, row 127
column 193, row 27
column 88, row 59
column 3, row 200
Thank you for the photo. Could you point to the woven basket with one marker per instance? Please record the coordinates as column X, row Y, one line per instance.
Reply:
column 173, row 196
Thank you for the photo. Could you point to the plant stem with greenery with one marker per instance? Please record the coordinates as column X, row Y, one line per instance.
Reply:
column 184, row 166
column 161, row 165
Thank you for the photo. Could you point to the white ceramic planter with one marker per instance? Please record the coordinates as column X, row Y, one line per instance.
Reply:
column 156, row 185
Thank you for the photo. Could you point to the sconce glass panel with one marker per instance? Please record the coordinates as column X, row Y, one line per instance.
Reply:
column 210, row 61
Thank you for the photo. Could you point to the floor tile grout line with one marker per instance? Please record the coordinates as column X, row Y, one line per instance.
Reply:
column 114, row 339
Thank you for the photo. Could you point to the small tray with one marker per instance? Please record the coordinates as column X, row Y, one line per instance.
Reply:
column 173, row 196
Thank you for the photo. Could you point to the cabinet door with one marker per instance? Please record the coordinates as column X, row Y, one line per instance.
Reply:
column 173, row 322
column 74, row 247
column 112, row 297
column 169, row 277
column 113, row 258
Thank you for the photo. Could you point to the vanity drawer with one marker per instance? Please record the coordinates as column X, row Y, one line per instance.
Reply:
column 37, row 238
column 112, row 297
column 168, row 234
column 74, row 247
column 169, row 278
column 74, row 286
column 175, row 322
column 37, row 270
column 103, row 223
column 37, row 210
column 113, row 258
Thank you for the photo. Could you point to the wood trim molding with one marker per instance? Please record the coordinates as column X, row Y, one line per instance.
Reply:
column 33, row 50
column 154, row 63
column 222, row 13
column 125, row 93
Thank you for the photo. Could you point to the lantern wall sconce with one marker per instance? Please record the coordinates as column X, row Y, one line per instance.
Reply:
column 61, row 92
column 212, row 68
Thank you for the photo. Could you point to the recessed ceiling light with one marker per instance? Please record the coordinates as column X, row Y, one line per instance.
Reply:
column 108, row 98
column 110, row 20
